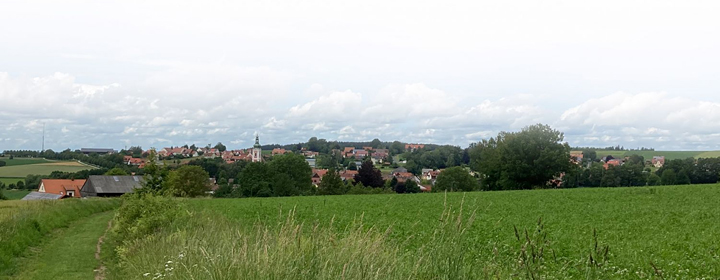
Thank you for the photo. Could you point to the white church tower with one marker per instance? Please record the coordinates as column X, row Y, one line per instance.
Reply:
column 257, row 150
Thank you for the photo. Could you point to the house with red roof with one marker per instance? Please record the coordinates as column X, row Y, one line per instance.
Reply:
column 63, row 187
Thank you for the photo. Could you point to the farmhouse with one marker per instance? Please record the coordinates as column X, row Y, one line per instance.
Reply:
column 658, row 161
column 88, row 151
column 105, row 186
column 68, row 187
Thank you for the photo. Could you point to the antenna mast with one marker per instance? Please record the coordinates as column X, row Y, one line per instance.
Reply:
column 43, row 139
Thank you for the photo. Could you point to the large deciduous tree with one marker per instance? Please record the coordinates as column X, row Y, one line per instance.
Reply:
column 187, row 181
column 521, row 160
column 455, row 179
column 331, row 184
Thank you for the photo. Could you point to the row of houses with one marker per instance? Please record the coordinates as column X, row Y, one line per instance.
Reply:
column 400, row 174
column 94, row 186
column 578, row 156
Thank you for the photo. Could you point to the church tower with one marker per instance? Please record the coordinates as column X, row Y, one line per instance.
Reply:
column 257, row 150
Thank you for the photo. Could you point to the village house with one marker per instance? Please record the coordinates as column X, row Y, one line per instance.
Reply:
column 62, row 187
column 577, row 157
column 414, row 147
column 361, row 154
column 317, row 176
column 348, row 175
column 310, row 154
column 348, row 152
column 278, row 151
column 430, row 174
column 613, row 162
column 658, row 161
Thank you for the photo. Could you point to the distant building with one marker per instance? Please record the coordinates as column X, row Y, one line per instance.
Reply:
column 658, row 161
column 42, row 196
column 88, row 151
column 414, row 147
column 257, row 150
column 107, row 186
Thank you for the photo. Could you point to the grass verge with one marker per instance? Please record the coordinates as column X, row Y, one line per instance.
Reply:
column 28, row 222
column 69, row 253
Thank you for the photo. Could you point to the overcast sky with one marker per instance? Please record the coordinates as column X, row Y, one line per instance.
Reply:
column 161, row 73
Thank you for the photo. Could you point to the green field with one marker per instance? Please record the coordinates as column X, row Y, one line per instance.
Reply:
column 21, row 171
column 669, row 155
column 15, row 194
column 23, row 161
column 668, row 232
column 8, row 181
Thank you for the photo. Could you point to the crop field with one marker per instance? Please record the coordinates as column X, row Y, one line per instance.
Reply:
column 21, row 171
column 8, row 181
column 669, row 155
column 15, row 194
column 666, row 232
column 23, row 161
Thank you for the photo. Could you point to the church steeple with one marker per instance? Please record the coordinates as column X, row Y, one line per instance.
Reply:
column 257, row 150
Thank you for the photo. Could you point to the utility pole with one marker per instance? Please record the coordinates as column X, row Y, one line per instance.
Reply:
column 43, row 139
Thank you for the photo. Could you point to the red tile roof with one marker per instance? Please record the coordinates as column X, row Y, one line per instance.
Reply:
column 61, row 186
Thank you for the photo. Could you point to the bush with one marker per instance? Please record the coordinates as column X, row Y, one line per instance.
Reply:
column 2, row 163
column 142, row 215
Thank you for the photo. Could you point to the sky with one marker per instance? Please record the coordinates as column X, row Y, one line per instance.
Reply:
column 167, row 73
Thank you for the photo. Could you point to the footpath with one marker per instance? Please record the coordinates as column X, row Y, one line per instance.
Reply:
column 69, row 253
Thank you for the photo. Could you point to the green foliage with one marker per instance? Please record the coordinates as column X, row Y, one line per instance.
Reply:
column 154, row 176
column 187, row 181
column 669, row 177
column 143, row 214
column 2, row 195
column 285, row 175
column 20, row 185
column 352, row 166
column 521, row 160
column 369, row 176
column 2, row 163
column 220, row 147
column 455, row 179
column 116, row 171
column 654, row 180
column 411, row 187
column 331, row 184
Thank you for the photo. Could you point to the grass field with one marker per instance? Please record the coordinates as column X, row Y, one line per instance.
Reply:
column 21, row 171
column 669, row 155
column 23, row 161
column 15, row 194
column 8, row 181
column 667, row 232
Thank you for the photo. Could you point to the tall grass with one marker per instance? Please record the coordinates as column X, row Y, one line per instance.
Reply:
column 25, row 223
column 204, row 245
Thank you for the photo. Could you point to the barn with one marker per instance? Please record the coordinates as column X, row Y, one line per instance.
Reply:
column 109, row 186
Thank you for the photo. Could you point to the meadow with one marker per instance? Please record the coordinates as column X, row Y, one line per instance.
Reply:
column 620, row 233
column 669, row 155
column 22, row 170
column 15, row 194
column 23, row 161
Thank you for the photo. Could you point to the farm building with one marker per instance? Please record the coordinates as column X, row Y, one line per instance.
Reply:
column 105, row 186
column 88, row 151
column 42, row 196
column 66, row 187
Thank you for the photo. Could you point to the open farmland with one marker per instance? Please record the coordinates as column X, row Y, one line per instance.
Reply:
column 649, row 231
column 669, row 155
column 15, row 194
column 23, row 161
column 20, row 171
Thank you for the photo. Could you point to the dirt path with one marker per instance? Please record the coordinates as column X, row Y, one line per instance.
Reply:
column 68, row 253
column 100, row 271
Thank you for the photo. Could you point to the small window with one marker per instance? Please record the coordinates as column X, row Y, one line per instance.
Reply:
column 116, row 178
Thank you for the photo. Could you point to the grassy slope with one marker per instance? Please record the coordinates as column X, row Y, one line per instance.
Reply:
column 8, row 181
column 15, row 194
column 69, row 253
column 37, row 169
column 675, row 227
column 23, row 161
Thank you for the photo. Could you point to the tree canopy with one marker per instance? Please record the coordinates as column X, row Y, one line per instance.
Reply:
column 521, row 160
column 369, row 176
column 187, row 181
column 455, row 179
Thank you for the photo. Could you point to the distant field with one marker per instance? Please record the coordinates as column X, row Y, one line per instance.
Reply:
column 8, row 181
column 41, row 168
column 23, row 161
column 15, row 195
column 669, row 155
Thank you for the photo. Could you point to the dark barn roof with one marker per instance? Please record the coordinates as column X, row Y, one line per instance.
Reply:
column 98, row 185
column 97, row 150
